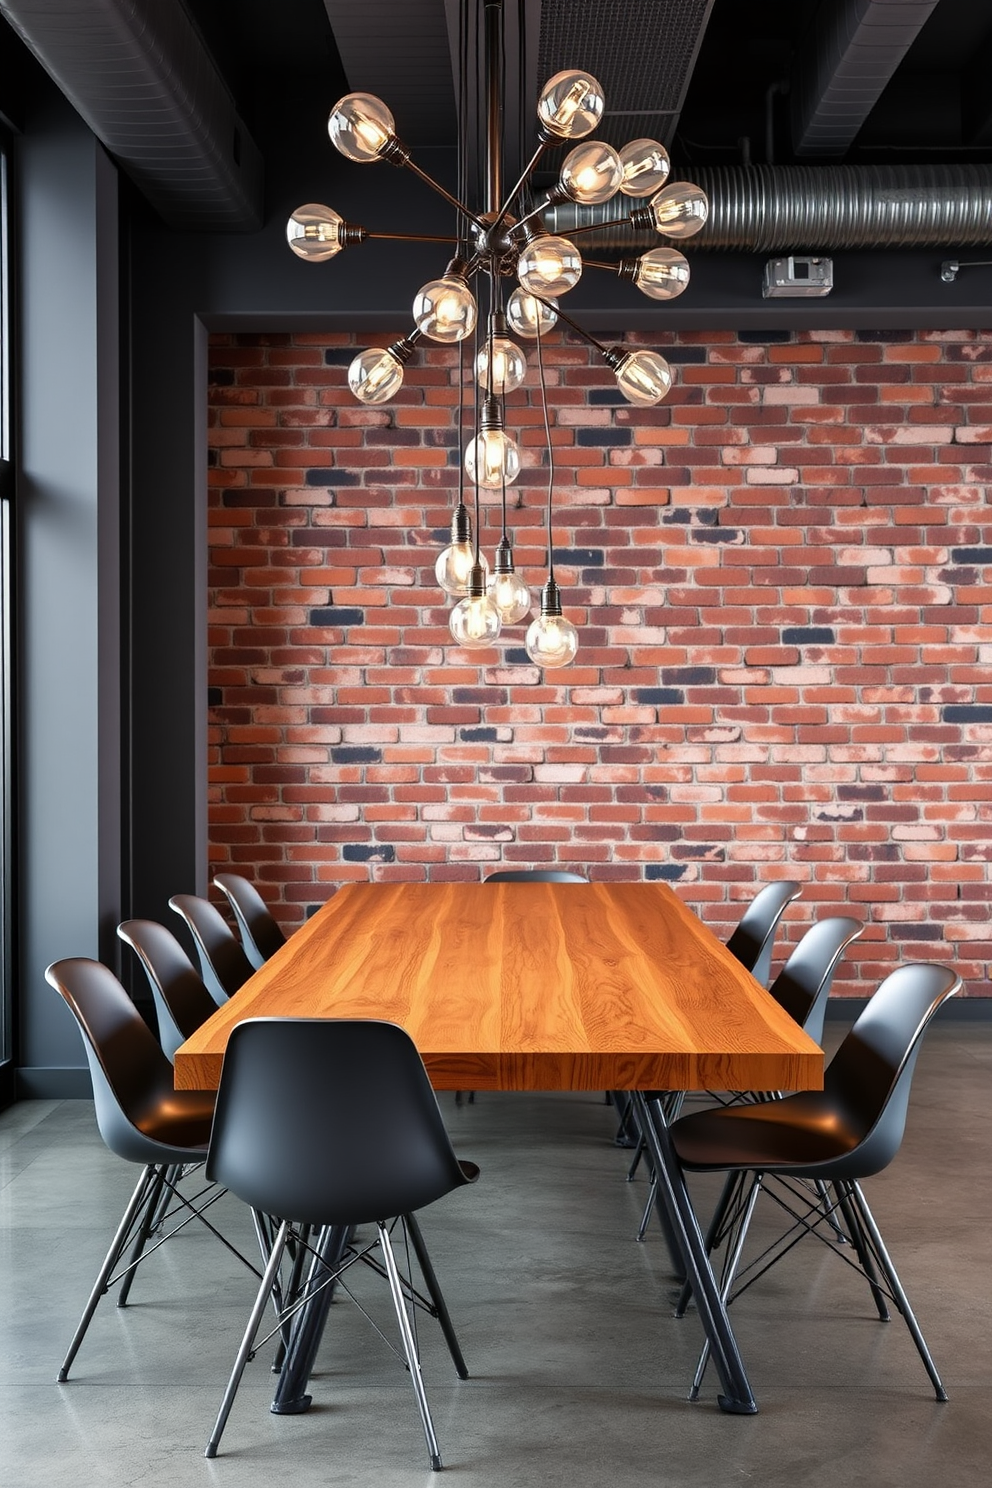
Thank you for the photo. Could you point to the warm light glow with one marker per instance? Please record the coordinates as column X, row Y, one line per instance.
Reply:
column 361, row 126
column 445, row 309
column 375, row 375
column 552, row 641
column 644, row 377
column 475, row 622
column 453, row 568
column 662, row 274
column 591, row 173
column 500, row 366
column 492, row 459
column 645, row 166
column 528, row 316
column 680, row 209
column 571, row 105
column 549, row 266
column 313, row 232
column 510, row 595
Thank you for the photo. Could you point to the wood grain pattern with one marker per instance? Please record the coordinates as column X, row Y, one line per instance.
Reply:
column 528, row 986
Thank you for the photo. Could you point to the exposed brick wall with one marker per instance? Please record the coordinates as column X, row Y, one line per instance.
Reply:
column 780, row 580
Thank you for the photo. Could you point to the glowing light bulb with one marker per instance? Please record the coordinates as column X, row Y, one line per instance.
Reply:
column 454, row 567
column 510, row 595
column 643, row 377
column 591, row 173
column 361, row 126
column 445, row 309
column 552, row 641
column 662, row 274
column 528, row 316
column 501, row 366
column 549, row 266
column 492, row 460
column 571, row 104
column 375, row 375
column 313, row 232
column 475, row 622
column 645, row 166
column 679, row 210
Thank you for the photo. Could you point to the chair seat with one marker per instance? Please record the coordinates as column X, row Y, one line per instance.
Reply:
column 179, row 1124
column 804, row 1131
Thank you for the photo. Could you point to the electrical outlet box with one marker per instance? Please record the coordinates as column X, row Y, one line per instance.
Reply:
column 797, row 278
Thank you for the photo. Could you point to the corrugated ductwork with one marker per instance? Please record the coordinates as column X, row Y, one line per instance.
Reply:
column 845, row 65
column 139, row 75
column 819, row 208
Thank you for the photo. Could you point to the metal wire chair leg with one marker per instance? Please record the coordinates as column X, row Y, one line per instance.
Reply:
column 244, row 1352
column 140, row 1196
column 823, row 1194
column 733, row 1184
column 731, row 1261
column 151, row 1217
column 895, row 1285
column 860, row 1242
column 409, row 1346
column 635, row 1161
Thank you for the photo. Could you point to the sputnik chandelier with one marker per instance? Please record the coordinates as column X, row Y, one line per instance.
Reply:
column 493, row 245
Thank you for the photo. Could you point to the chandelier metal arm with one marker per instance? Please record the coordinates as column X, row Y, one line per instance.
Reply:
column 403, row 237
column 572, row 324
column 525, row 175
column 442, row 191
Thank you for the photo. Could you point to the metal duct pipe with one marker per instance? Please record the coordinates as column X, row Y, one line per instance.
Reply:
column 817, row 208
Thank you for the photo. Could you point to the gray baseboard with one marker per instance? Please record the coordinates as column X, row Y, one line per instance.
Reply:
column 958, row 1010
column 43, row 1083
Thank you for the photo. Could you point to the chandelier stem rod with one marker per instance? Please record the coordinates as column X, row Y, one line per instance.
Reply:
column 442, row 191
column 494, row 104
column 572, row 324
column 413, row 237
column 511, row 198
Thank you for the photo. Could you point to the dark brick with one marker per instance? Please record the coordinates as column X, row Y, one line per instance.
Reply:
column 808, row 635
column 597, row 438
column 359, row 852
column 659, row 695
column 689, row 676
column 966, row 713
column 331, row 478
column 971, row 555
column 684, row 355
column 598, row 397
column 884, row 335
column 716, row 534
column 478, row 735
column 355, row 754
column 763, row 338
column 340, row 356
column 215, row 697
column 338, row 617
column 517, row 656
column 222, row 377
column 579, row 557
column 664, row 870
column 920, row 932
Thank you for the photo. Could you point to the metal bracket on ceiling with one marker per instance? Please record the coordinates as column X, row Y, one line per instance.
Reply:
column 951, row 267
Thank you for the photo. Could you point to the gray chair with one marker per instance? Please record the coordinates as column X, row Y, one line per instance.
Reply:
column 849, row 1131
column 535, row 875
column 182, row 1001
column 223, row 964
column 753, row 937
column 261, row 937
column 286, row 1141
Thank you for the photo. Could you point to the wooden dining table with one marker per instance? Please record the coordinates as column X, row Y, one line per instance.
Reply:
column 536, row 986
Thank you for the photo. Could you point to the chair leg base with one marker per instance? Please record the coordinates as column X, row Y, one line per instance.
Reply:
column 297, row 1407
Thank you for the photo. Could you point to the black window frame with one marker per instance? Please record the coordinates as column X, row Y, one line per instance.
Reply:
column 7, row 579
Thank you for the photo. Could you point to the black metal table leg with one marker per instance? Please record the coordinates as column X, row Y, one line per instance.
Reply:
column 737, row 1397
column 291, row 1393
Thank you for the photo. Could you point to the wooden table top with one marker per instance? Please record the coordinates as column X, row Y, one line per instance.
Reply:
column 528, row 986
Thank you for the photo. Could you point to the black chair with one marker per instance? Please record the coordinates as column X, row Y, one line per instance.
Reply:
column 285, row 1140
column 753, row 938
column 850, row 1130
column 182, row 1002
column 260, row 935
column 535, row 875
column 801, row 989
column 141, row 1117
column 223, row 964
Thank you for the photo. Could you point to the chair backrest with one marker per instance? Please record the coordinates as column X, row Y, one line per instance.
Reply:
column 260, row 935
column 223, row 964
column 130, row 1073
column 754, row 936
column 803, row 985
column 182, row 1002
column 869, row 1078
column 329, row 1121
column 535, row 875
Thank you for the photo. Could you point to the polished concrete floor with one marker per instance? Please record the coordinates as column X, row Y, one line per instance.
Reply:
column 579, row 1370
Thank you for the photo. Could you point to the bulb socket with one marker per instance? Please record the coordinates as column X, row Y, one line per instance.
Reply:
column 403, row 350
column 642, row 217
column 503, row 560
column 477, row 582
column 615, row 356
column 394, row 151
column 491, row 415
column 550, row 598
column 461, row 524
column 497, row 324
column 350, row 234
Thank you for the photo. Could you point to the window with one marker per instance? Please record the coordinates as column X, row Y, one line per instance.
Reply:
column 6, row 495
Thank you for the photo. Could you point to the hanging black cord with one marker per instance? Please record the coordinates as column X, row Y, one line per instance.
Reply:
column 551, row 455
column 461, row 422
column 478, row 499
